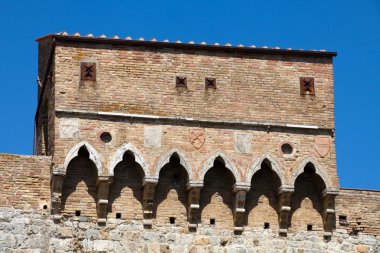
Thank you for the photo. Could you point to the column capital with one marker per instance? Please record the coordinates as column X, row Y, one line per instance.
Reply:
column 194, row 184
column 241, row 186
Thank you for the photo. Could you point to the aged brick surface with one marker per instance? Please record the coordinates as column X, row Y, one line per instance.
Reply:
column 129, row 192
column 362, row 209
column 25, row 182
column 142, row 81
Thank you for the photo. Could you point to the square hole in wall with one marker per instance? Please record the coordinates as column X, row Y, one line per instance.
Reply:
column 307, row 86
column 88, row 71
column 118, row 215
column 181, row 82
column 77, row 213
column 212, row 221
column 309, row 227
column 266, row 225
column 172, row 220
column 210, row 83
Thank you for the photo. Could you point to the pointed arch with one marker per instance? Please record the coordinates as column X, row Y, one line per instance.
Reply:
column 93, row 156
column 274, row 164
column 118, row 157
column 227, row 163
column 318, row 170
column 183, row 160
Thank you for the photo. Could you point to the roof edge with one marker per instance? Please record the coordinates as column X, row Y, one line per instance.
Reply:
column 179, row 45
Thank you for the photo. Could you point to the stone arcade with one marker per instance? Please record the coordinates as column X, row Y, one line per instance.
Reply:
column 147, row 146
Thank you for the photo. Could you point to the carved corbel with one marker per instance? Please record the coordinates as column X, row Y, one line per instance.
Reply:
column 56, row 192
column 329, row 211
column 149, row 186
column 285, row 196
column 240, row 191
column 194, row 190
column 103, row 185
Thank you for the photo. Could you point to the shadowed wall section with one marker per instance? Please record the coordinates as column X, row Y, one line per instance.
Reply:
column 307, row 206
column 79, row 186
column 216, row 200
column 261, row 201
column 125, row 193
column 171, row 197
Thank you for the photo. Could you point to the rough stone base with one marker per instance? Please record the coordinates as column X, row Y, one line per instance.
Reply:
column 26, row 232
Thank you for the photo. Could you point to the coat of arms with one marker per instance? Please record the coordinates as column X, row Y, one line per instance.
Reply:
column 197, row 138
column 322, row 145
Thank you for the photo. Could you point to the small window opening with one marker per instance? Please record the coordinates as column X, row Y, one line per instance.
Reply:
column 181, row 82
column 212, row 221
column 172, row 220
column 286, row 149
column 342, row 218
column 309, row 227
column 210, row 83
column 307, row 86
column 44, row 207
column 106, row 137
column 88, row 71
column 266, row 225
column 77, row 213
column 118, row 215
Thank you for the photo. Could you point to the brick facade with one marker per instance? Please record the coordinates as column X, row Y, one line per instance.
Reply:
column 250, row 152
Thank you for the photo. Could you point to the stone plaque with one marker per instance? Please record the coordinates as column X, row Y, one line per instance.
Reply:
column 152, row 136
column 322, row 145
column 68, row 128
column 197, row 137
column 243, row 143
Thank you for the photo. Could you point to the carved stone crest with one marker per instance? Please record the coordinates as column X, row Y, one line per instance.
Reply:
column 197, row 138
column 68, row 128
column 322, row 145
column 152, row 136
column 243, row 143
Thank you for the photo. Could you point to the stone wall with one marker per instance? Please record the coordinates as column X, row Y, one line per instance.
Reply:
column 21, row 231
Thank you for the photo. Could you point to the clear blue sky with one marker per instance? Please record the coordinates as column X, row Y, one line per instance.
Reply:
column 350, row 27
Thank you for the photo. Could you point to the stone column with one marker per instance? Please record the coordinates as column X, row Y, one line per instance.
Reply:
column 194, row 190
column 240, row 190
column 56, row 192
column 149, row 186
column 285, row 196
column 329, row 220
column 103, row 185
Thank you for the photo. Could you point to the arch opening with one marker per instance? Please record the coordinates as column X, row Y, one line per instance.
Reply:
column 216, row 198
column 170, row 202
column 262, row 199
column 307, row 204
column 125, row 193
column 79, row 192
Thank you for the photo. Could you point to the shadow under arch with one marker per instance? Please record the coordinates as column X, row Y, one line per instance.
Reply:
column 261, row 203
column 180, row 156
column 309, row 187
column 227, row 163
column 79, row 192
column 216, row 197
column 170, row 199
column 125, row 193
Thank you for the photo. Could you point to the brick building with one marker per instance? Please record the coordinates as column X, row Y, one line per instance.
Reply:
column 176, row 139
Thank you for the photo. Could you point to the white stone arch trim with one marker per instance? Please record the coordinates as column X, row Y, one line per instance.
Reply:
column 183, row 160
column 118, row 157
column 275, row 166
column 227, row 163
column 318, row 170
column 94, row 156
